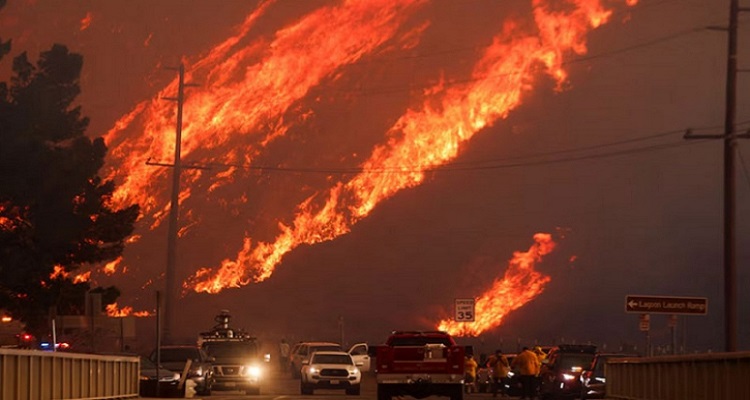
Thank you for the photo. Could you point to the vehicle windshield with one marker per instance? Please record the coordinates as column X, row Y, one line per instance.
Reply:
column 147, row 364
column 325, row 348
column 231, row 349
column 332, row 359
column 180, row 354
column 419, row 341
column 568, row 361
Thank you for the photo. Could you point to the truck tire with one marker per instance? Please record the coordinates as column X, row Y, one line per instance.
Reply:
column 353, row 390
column 305, row 389
column 457, row 393
column 253, row 391
column 384, row 392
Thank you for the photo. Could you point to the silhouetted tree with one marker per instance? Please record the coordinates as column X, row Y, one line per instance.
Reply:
column 54, row 209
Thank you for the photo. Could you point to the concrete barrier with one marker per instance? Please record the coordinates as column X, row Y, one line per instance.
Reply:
column 684, row 377
column 41, row 375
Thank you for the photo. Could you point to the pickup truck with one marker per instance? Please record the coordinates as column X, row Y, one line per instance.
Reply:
column 420, row 364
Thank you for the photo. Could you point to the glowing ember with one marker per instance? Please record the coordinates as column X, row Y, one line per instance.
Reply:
column 114, row 311
column 424, row 139
column 520, row 284
column 86, row 21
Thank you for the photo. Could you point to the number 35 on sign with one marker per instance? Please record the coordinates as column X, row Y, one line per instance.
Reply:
column 464, row 310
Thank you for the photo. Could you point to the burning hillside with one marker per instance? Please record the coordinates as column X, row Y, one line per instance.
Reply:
column 257, row 98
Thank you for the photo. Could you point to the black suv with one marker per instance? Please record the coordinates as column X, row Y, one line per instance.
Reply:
column 561, row 371
column 174, row 358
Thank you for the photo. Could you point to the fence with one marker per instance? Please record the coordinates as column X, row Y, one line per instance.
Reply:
column 40, row 375
column 721, row 376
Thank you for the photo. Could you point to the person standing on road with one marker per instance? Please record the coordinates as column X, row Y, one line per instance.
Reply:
column 500, row 369
column 470, row 374
column 283, row 355
column 541, row 355
column 528, row 366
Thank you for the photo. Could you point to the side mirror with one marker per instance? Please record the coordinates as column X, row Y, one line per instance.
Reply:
column 359, row 364
column 305, row 362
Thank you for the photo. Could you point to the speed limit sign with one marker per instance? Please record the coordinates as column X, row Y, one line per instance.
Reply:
column 464, row 310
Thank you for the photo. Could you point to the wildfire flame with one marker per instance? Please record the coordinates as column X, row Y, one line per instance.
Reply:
column 520, row 284
column 240, row 97
column 111, row 267
column 84, row 277
column 423, row 139
column 114, row 311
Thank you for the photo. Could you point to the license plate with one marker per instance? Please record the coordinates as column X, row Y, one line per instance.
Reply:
column 334, row 382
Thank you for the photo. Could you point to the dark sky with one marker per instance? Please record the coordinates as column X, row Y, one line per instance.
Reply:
column 603, row 158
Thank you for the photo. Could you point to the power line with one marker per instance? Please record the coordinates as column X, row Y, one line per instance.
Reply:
column 456, row 82
column 500, row 163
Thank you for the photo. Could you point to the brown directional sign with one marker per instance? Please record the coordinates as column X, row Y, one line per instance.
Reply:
column 666, row 305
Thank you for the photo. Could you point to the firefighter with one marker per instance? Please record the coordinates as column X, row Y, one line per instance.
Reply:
column 470, row 374
column 528, row 366
column 500, row 367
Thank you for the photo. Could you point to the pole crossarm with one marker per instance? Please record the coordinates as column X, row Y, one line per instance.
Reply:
column 690, row 135
column 168, row 165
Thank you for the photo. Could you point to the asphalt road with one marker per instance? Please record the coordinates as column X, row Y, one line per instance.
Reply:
column 282, row 386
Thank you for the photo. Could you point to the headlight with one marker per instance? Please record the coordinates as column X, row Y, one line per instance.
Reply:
column 576, row 369
column 510, row 374
column 568, row 377
column 354, row 371
column 198, row 371
column 314, row 370
column 252, row 370
column 267, row 357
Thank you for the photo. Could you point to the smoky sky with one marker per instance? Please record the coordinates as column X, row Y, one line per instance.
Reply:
column 601, row 158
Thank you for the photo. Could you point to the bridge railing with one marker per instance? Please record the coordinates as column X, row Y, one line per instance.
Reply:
column 41, row 375
column 684, row 377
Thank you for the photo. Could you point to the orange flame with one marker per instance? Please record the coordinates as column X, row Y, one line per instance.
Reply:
column 84, row 277
column 423, row 140
column 58, row 271
column 520, row 284
column 244, row 91
column 114, row 311
column 86, row 21
column 111, row 267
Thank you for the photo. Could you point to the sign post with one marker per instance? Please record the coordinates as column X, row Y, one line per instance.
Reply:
column 465, row 310
column 646, row 305
column 645, row 326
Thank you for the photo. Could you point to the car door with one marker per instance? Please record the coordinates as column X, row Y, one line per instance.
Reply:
column 361, row 357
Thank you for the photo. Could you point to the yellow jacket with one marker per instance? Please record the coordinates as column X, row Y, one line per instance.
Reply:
column 527, row 363
column 500, row 366
column 470, row 367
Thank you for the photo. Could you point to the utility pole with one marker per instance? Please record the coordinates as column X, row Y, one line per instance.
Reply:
column 174, row 204
column 170, row 292
column 729, row 137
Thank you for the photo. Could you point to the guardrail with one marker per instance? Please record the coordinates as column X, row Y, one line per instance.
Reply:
column 41, row 375
column 720, row 376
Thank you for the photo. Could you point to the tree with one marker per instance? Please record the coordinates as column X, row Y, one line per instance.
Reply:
column 54, row 208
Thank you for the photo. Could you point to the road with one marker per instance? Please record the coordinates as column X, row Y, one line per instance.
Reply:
column 282, row 386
